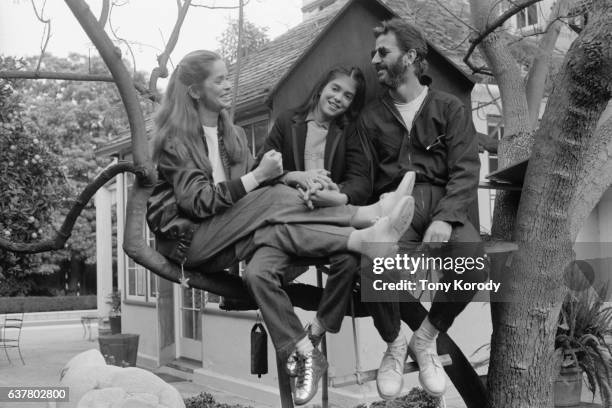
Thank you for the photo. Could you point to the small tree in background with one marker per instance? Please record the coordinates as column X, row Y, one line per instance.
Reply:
column 33, row 184
column 253, row 38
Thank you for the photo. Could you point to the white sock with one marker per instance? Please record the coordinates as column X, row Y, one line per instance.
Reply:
column 427, row 332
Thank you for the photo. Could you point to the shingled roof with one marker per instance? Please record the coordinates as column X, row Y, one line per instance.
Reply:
column 262, row 70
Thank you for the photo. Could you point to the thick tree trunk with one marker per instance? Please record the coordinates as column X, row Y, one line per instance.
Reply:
column 523, row 360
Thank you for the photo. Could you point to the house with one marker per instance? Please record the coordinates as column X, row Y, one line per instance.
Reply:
column 187, row 324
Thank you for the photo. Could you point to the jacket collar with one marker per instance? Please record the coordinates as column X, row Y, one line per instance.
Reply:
column 299, row 128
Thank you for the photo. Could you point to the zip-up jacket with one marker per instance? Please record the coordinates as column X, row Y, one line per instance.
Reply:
column 345, row 153
column 441, row 147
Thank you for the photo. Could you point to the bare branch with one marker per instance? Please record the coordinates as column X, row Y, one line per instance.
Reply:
column 220, row 7
column 65, row 230
column 161, row 71
column 127, row 44
column 112, row 58
column 538, row 72
column 46, row 31
column 238, row 58
column 459, row 19
column 66, row 76
column 518, row 6
column 104, row 13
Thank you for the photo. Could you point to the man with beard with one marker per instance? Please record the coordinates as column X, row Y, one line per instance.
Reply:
column 413, row 127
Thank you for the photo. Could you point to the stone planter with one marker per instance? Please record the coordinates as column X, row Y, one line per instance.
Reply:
column 119, row 349
column 568, row 387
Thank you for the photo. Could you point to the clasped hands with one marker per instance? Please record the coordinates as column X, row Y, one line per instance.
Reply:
column 316, row 188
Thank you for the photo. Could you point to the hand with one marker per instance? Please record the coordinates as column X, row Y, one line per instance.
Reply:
column 438, row 231
column 311, row 180
column 328, row 198
column 270, row 166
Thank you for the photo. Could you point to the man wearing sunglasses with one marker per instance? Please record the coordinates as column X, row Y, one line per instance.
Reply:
column 413, row 127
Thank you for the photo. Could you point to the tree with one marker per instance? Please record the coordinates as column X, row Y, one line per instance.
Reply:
column 566, row 177
column 253, row 38
column 33, row 185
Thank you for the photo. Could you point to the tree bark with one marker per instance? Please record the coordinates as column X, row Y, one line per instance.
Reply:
column 523, row 358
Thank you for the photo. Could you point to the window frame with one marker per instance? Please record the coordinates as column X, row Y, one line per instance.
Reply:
column 145, row 281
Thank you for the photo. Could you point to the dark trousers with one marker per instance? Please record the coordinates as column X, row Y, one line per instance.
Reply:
column 267, row 206
column 271, row 267
column 446, row 306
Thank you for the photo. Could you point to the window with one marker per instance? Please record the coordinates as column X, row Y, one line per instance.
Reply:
column 527, row 17
column 140, row 283
column 495, row 130
column 256, row 131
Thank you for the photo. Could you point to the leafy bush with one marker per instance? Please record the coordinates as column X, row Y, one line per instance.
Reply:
column 205, row 400
column 584, row 323
column 46, row 303
column 416, row 398
column 32, row 186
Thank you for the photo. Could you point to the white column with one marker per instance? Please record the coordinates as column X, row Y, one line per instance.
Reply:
column 104, row 249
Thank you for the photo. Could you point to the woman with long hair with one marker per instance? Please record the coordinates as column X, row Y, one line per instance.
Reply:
column 206, row 209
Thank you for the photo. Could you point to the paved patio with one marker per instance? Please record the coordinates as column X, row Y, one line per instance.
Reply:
column 46, row 349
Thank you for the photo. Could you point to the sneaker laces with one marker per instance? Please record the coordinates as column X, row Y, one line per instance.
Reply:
column 395, row 362
column 302, row 371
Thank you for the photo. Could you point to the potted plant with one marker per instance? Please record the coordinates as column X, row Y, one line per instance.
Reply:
column 114, row 317
column 584, row 324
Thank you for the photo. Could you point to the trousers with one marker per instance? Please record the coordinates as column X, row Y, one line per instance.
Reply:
column 271, row 227
column 445, row 306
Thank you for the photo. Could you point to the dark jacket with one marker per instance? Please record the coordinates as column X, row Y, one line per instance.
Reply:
column 185, row 193
column 345, row 153
column 441, row 147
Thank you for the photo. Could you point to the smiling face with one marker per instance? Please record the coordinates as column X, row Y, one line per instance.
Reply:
column 336, row 97
column 215, row 92
column 390, row 63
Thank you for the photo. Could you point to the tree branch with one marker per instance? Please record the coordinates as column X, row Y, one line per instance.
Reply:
column 238, row 59
column 538, row 72
column 127, row 44
column 104, row 13
column 219, row 7
column 65, row 230
column 489, row 29
column 161, row 71
column 47, row 30
column 112, row 57
column 66, row 76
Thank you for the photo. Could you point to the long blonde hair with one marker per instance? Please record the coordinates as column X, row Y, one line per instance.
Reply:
column 177, row 117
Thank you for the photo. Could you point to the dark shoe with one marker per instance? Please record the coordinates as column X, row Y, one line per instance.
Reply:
column 293, row 360
column 312, row 367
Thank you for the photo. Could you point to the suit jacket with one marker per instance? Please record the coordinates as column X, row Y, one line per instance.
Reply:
column 346, row 154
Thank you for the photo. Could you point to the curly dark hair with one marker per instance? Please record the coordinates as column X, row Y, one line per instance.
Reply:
column 408, row 38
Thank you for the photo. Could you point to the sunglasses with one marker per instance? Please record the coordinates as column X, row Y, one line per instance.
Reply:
column 382, row 51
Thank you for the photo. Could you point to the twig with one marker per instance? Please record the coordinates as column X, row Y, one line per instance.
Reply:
column 104, row 13
column 238, row 58
column 45, row 39
column 127, row 44
column 449, row 11
column 220, row 7
column 161, row 71
column 490, row 28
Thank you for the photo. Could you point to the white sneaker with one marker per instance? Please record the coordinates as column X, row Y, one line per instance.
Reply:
column 390, row 377
column 431, row 371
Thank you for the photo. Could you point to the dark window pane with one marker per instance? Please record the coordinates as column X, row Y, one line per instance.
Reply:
column 532, row 14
